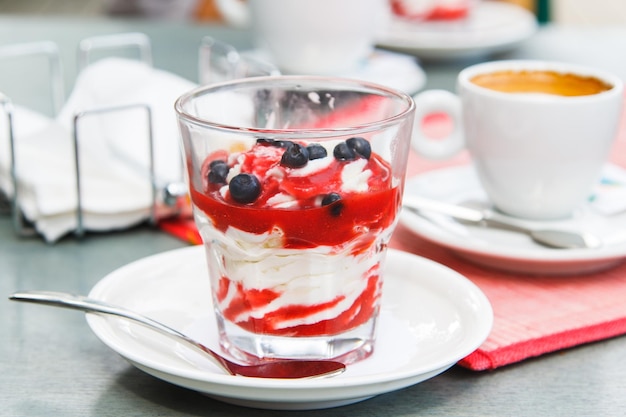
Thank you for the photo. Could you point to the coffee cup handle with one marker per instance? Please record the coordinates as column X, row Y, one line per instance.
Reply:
column 432, row 102
column 235, row 12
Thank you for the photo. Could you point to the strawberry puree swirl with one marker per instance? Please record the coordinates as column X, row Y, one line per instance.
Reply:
column 303, row 257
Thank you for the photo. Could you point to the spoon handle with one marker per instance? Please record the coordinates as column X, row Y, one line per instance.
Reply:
column 86, row 304
column 457, row 212
column 91, row 305
column 556, row 239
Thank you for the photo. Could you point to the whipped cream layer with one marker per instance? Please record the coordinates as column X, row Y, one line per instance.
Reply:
column 260, row 284
column 291, row 261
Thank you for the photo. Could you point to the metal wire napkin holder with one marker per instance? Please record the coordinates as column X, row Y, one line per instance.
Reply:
column 50, row 51
column 218, row 61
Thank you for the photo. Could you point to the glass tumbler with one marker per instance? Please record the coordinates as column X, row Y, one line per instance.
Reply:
column 296, row 183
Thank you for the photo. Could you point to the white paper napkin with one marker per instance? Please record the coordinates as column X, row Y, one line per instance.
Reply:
column 113, row 148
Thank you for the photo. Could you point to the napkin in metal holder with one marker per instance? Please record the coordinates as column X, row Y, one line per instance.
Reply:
column 217, row 62
column 50, row 52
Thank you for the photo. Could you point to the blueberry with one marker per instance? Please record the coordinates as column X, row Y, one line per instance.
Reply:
column 334, row 201
column 284, row 143
column 343, row 152
column 244, row 188
column 360, row 146
column 274, row 142
column 295, row 156
column 218, row 170
column 330, row 198
column 316, row 152
column 265, row 141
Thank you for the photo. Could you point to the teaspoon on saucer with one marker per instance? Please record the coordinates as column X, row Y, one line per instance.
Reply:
column 271, row 368
column 552, row 238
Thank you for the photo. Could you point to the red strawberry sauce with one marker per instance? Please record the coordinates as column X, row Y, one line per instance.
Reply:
column 246, row 300
column 305, row 226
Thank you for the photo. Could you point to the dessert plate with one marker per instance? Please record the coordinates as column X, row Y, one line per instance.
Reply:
column 492, row 27
column 431, row 318
column 516, row 252
column 391, row 69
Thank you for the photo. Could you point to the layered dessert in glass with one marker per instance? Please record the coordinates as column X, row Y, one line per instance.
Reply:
column 296, row 183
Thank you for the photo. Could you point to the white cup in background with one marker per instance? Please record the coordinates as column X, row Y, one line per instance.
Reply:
column 537, row 154
column 311, row 36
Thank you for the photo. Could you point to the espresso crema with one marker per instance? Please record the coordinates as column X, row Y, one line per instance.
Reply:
column 540, row 81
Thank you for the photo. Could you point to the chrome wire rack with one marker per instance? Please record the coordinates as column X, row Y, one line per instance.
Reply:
column 217, row 61
column 50, row 51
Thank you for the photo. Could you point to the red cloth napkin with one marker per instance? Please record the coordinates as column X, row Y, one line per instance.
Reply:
column 533, row 315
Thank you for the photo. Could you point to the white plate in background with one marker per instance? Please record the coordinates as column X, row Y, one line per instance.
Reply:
column 391, row 69
column 492, row 27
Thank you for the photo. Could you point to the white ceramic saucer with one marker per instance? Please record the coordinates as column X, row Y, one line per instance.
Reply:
column 492, row 27
column 431, row 318
column 392, row 69
column 513, row 251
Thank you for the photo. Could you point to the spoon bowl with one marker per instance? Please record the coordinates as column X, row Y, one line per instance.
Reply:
column 271, row 368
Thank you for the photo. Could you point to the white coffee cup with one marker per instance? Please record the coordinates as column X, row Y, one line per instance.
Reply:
column 537, row 155
column 311, row 36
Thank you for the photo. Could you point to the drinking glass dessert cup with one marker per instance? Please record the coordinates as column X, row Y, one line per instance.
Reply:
column 296, row 183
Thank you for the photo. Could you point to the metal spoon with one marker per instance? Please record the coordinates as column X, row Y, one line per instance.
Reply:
column 553, row 238
column 290, row 368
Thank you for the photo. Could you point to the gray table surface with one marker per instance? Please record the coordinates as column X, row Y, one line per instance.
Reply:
column 51, row 364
